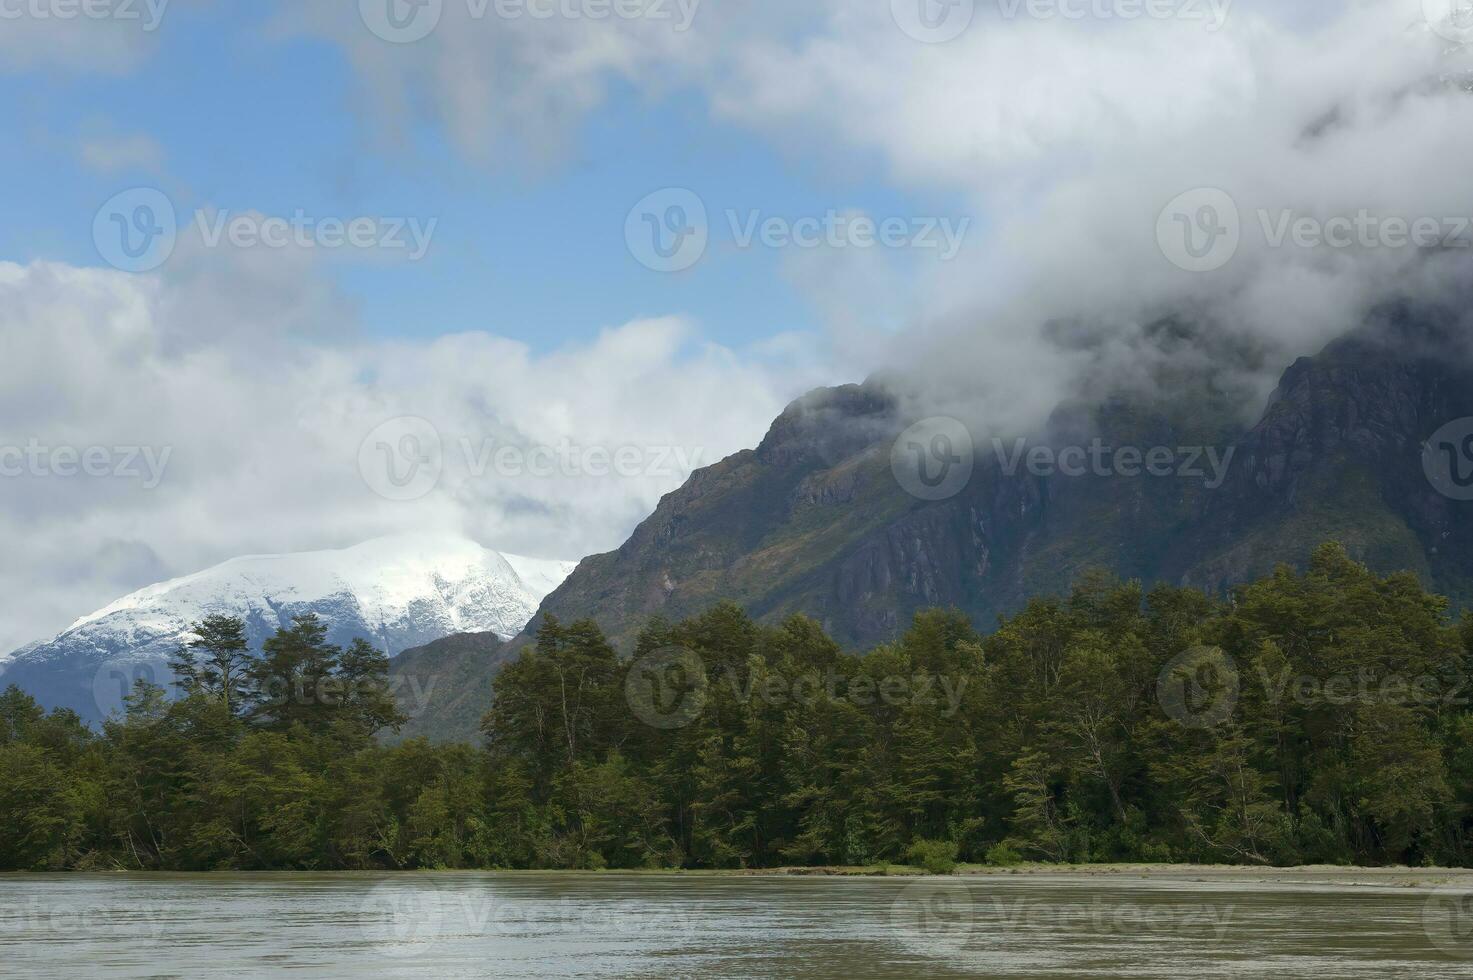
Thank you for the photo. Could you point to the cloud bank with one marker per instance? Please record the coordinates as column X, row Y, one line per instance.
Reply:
column 263, row 427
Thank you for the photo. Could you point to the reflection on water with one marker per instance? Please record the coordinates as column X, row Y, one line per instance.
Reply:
column 548, row 925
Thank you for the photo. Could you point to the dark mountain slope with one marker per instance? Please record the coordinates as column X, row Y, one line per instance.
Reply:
column 815, row 521
column 445, row 686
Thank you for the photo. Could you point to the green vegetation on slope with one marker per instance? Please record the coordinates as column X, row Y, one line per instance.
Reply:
column 1314, row 717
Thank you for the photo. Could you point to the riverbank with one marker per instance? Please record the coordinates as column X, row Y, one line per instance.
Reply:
column 1325, row 875
column 1337, row 875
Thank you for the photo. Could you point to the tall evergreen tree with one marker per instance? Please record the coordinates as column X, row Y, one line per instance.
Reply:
column 214, row 662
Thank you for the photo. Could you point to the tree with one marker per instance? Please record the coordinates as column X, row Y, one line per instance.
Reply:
column 19, row 715
column 1045, row 738
column 293, row 682
column 214, row 662
column 367, row 702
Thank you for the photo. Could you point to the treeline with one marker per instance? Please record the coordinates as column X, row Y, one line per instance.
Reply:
column 1314, row 717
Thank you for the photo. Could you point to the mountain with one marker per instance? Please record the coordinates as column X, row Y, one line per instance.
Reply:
column 399, row 592
column 815, row 520
column 444, row 687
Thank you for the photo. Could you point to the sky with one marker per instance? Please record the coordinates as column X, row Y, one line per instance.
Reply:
column 286, row 276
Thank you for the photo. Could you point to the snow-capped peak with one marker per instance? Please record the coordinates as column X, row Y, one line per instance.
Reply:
column 397, row 592
column 481, row 590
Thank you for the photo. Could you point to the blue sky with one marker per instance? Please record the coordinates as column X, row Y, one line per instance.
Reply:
column 526, row 247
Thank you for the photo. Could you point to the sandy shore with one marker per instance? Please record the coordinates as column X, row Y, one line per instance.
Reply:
column 1335, row 875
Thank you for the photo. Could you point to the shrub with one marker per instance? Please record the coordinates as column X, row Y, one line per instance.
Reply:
column 938, row 857
column 1002, row 856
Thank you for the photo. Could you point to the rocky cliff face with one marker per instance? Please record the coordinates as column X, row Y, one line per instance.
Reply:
column 815, row 520
column 1342, row 451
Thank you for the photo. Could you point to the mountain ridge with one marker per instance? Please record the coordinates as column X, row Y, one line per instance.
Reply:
column 814, row 521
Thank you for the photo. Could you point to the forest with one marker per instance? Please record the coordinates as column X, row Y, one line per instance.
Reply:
column 1314, row 716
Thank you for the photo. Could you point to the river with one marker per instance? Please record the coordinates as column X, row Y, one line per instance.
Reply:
column 627, row 925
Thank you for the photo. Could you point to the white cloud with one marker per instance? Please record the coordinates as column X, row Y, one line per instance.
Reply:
column 264, row 428
column 1068, row 138
column 502, row 87
column 1062, row 137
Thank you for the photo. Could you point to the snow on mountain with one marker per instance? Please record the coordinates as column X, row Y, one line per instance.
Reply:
column 397, row 592
column 5, row 658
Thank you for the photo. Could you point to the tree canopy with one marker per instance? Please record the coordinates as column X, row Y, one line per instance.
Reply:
column 1314, row 716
